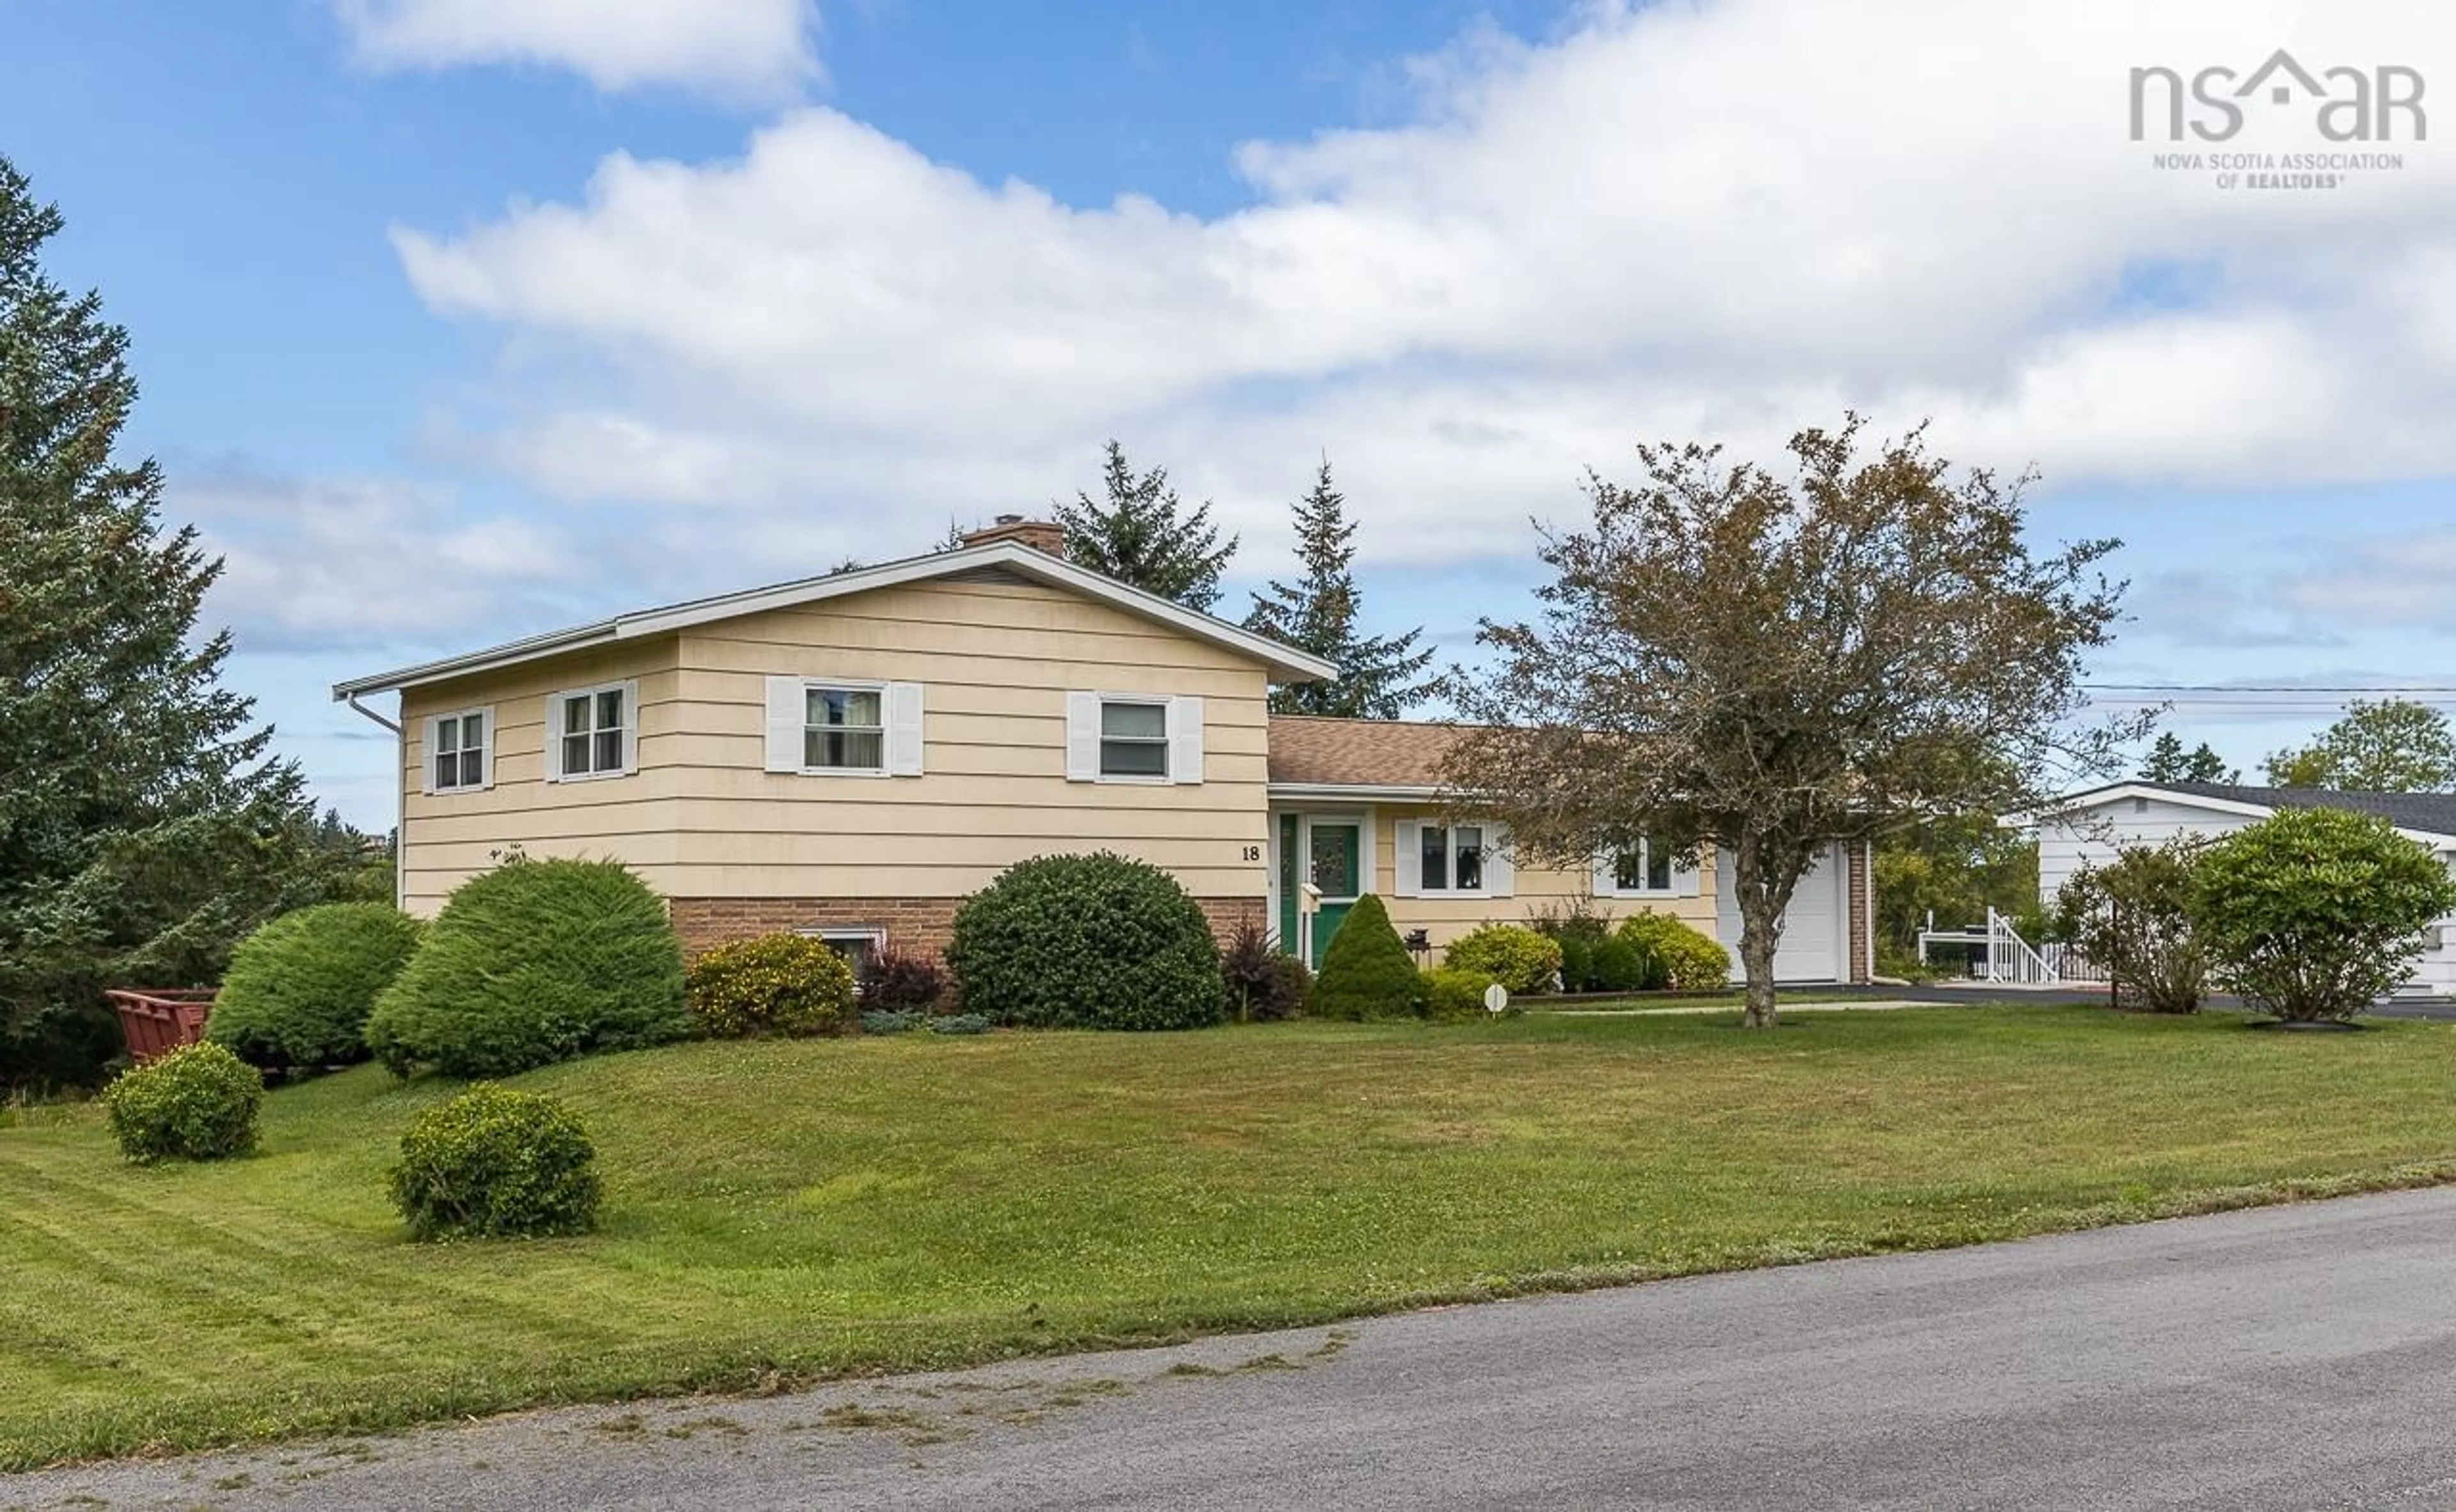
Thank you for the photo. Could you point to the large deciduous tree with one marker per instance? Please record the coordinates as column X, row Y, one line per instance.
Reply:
column 1733, row 658
column 1378, row 676
column 143, row 828
column 2391, row 745
column 1139, row 533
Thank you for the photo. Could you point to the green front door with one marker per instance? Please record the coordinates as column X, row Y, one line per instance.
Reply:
column 1333, row 849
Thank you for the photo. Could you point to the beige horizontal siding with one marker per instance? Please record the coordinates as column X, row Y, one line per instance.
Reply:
column 1532, row 888
column 889, row 880
column 702, row 818
column 449, row 837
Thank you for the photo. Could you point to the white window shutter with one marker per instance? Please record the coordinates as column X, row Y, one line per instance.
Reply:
column 554, row 732
column 1082, row 737
column 904, row 729
column 486, row 757
column 1684, row 875
column 1408, row 839
column 1500, row 874
column 427, row 759
column 1607, row 875
column 631, row 725
column 788, row 711
column 1185, row 740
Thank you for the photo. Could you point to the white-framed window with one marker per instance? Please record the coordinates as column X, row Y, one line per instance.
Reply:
column 1463, row 859
column 1647, row 870
column 461, row 751
column 844, row 728
column 593, row 732
column 839, row 726
column 1451, row 858
column 861, row 945
column 1133, row 738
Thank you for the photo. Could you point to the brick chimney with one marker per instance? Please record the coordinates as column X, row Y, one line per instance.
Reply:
column 1040, row 535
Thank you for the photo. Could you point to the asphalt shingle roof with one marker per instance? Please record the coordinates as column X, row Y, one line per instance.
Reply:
column 2432, row 813
column 1377, row 752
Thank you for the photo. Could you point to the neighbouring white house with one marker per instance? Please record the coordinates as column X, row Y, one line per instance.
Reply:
column 2088, row 828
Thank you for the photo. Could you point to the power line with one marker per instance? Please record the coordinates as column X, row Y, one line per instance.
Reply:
column 2255, row 687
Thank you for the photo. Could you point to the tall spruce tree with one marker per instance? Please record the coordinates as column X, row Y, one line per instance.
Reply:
column 1378, row 676
column 143, row 828
column 1139, row 533
column 2168, row 761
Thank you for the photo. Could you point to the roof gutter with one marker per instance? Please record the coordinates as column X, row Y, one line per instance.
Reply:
column 352, row 698
column 1391, row 792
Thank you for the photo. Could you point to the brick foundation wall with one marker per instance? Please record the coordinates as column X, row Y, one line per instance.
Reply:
column 1862, row 888
column 915, row 926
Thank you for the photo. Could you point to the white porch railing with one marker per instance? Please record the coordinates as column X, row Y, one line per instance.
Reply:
column 2002, row 956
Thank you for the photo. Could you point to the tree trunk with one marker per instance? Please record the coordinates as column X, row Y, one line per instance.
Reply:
column 1760, row 932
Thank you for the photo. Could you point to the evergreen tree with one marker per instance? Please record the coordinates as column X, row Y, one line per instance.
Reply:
column 1139, row 536
column 2169, row 763
column 1378, row 676
column 2205, row 766
column 143, row 830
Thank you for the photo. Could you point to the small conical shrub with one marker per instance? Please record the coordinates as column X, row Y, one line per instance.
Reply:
column 1366, row 973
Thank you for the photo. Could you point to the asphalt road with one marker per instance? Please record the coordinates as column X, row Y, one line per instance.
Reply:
column 2287, row 1357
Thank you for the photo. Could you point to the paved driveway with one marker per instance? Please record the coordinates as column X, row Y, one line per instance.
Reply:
column 2289, row 1358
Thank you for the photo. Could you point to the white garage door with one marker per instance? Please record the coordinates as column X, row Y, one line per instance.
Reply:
column 1811, row 932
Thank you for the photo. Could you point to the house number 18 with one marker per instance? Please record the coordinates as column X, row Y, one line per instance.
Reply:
column 1253, row 852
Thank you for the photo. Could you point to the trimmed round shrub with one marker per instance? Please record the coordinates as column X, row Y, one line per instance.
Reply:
column 1615, row 963
column 1087, row 942
column 1456, row 993
column 495, row 1162
column 2314, row 914
column 1512, row 955
column 532, row 963
column 1366, row 973
column 196, row 1103
column 904, row 984
column 300, row 989
column 1688, row 961
column 776, row 984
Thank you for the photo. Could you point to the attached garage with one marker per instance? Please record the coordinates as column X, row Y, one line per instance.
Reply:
column 1815, row 932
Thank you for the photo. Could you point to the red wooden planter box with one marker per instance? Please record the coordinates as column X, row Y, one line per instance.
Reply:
column 156, row 1020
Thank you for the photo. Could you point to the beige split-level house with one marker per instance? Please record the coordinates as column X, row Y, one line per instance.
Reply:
column 853, row 755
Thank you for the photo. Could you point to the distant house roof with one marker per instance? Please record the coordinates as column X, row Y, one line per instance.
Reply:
column 1400, row 755
column 1286, row 663
column 2427, row 813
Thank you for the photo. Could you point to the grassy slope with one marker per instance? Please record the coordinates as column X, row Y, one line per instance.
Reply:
column 817, row 1206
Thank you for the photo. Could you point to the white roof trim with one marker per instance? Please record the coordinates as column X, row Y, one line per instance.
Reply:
column 1385, row 790
column 1286, row 663
column 2118, row 792
column 2098, row 797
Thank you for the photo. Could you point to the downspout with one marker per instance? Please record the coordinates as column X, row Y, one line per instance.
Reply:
column 400, row 807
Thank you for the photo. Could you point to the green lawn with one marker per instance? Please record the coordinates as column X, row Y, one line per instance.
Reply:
column 785, row 1209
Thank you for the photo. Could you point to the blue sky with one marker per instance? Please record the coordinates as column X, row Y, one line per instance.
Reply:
column 458, row 321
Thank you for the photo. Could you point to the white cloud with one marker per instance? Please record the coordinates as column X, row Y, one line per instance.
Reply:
column 743, row 50
column 341, row 563
column 2396, row 581
column 1724, row 220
